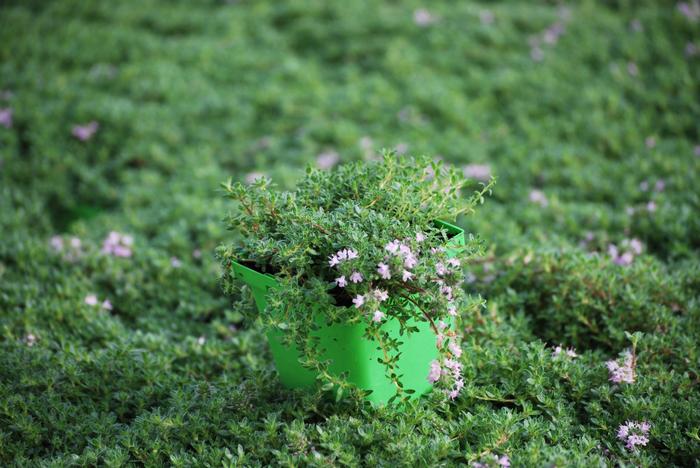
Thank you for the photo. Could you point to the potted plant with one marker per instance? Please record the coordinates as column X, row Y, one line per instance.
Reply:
column 357, row 274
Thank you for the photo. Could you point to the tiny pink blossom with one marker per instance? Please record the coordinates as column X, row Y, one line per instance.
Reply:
column 56, row 243
column 423, row 17
column 342, row 255
column 420, row 237
column 378, row 316
column 454, row 262
column 196, row 253
column 538, row 197
column 650, row 142
column 333, row 260
column 410, row 261
column 625, row 259
column 91, row 300
column 106, row 305
column 441, row 325
column 85, row 132
column 381, row 295
column 6, row 117
column 644, row 186
column 435, row 372
column 660, row 185
column 175, row 262
column 632, row 69
column 455, row 349
column 536, row 54
column 356, row 277
column 452, row 310
column 651, row 206
column 447, row 291
column 440, row 269
column 383, row 270
column 636, row 246
column 358, row 301
column 30, row 340
column 327, row 159
column 352, row 254
column 75, row 242
column 407, row 275
column 393, row 246
column 622, row 373
column 341, row 282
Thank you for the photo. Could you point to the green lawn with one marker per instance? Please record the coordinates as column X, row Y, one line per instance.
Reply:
column 588, row 116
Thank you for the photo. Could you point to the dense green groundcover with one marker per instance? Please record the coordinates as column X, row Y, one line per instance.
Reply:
column 588, row 115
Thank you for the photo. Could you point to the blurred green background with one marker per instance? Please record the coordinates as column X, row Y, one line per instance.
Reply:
column 587, row 113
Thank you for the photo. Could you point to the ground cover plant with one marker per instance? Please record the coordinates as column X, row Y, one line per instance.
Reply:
column 119, row 120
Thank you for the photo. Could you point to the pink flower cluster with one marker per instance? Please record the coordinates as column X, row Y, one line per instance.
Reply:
column 85, row 132
column 71, row 250
column 634, row 433
column 624, row 372
column 626, row 253
column 118, row 244
column 559, row 352
column 449, row 368
column 91, row 300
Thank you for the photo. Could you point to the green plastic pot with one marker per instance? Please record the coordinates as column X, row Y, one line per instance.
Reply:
column 347, row 350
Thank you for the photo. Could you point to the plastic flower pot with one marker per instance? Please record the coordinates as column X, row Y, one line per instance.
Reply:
column 347, row 350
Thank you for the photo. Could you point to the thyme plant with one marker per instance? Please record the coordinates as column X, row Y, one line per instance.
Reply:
column 360, row 244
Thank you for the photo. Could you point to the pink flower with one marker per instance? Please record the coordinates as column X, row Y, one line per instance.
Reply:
column 452, row 310
column 622, row 373
column 558, row 351
column 690, row 10
column 423, row 17
column 341, row 282
column 538, row 197
column 454, row 262
column 632, row 69
column 381, row 295
column 175, row 262
column 85, row 132
column 455, row 349
column 407, row 275
column 636, row 246
column 6, row 117
column 30, row 339
column 383, row 270
column 333, row 261
column 625, row 259
column 106, row 305
column 440, row 269
column 536, row 54
column 420, row 237
column 56, row 243
column 660, row 185
column 91, row 300
column 356, row 277
column 358, row 301
column 644, row 186
column 480, row 172
column 634, row 434
column 393, row 246
column 447, row 291
column 459, row 385
column 441, row 325
column 378, row 316
column 410, row 261
column 196, row 253
column 75, row 242
column 327, row 159
column 651, row 206
column 650, row 142
column 352, row 254
column 342, row 255
column 435, row 372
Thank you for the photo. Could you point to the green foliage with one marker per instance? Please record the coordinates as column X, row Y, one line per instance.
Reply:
column 190, row 93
